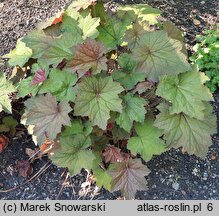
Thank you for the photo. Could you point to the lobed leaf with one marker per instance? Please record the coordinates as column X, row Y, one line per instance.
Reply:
column 46, row 116
column 186, row 93
column 147, row 142
column 128, row 176
column 182, row 130
column 89, row 55
column 133, row 110
column 60, row 85
column 157, row 55
column 126, row 75
column 6, row 88
column 96, row 97
column 20, row 55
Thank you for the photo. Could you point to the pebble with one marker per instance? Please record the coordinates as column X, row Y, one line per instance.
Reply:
column 196, row 22
column 175, row 186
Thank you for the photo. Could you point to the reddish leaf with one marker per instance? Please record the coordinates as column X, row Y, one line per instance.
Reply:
column 125, row 156
column 89, row 55
column 112, row 154
column 39, row 77
column 24, row 168
column 129, row 176
column 57, row 19
column 3, row 143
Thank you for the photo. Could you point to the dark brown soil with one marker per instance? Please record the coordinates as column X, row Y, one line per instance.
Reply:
column 173, row 175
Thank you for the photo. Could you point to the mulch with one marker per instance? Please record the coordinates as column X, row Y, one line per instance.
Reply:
column 173, row 175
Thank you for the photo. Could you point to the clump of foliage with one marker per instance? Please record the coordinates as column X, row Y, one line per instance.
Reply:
column 108, row 88
column 206, row 56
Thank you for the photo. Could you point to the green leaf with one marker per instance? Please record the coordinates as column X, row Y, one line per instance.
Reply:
column 89, row 26
column 39, row 42
column 134, row 33
column 61, row 49
column 77, row 128
column 182, row 130
column 126, row 74
column 96, row 97
column 101, row 176
column 26, row 86
column 133, row 110
column 119, row 133
column 128, row 176
column 157, row 54
column 20, row 55
column 140, row 11
column 174, row 33
column 147, row 142
column 46, row 116
column 6, row 88
column 186, row 92
column 112, row 32
column 8, row 125
column 74, row 154
column 60, row 85
column 70, row 25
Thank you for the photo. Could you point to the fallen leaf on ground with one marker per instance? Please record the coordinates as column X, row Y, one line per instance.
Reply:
column 3, row 143
column 24, row 168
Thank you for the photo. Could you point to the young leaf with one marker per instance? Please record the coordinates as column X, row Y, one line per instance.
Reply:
column 60, row 85
column 32, row 84
column 96, row 97
column 182, row 130
column 126, row 74
column 89, row 55
column 6, row 87
column 143, row 12
column 74, row 153
column 158, row 55
column 186, row 92
column 39, row 77
column 112, row 32
column 112, row 154
column 89, row 26
column 128, row 176
column 46, row 116
column 147, row 142
column 133, row 110
column 20, row 55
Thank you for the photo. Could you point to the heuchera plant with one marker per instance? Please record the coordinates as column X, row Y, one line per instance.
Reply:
column 109, row 89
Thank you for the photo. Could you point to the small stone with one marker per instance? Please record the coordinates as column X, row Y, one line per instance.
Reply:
column 175, row 186
column 196, row 22
column 202, row 2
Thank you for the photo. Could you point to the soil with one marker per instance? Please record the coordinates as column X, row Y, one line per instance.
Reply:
column 173, row 175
